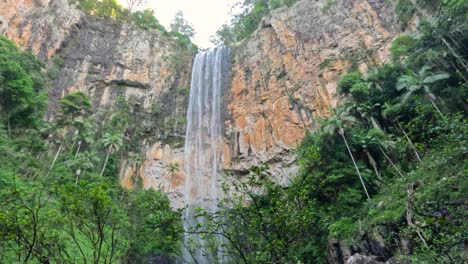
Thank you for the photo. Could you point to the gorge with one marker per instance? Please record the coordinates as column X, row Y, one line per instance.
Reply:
column 103, row 108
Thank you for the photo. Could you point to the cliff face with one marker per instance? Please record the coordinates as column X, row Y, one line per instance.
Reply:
column 105, row 60
column 283, row 78
column 285, row 75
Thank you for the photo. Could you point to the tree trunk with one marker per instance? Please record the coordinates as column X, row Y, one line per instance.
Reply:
column 375, row 124
column 419, row 10
column 391, row 162
column 409, row 141
column 55, row 159
column 455, row 54
column 355, row 166
column 78, row 176
column 374, row 165
column 107, row 158
column 436, row 108
column 409, row 213
column 79, row 146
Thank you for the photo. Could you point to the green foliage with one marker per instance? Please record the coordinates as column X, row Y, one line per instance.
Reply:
column 181, row 32
column 183, row 41
column 404, row 10
column 360, row 91
column 75, row 104
column 183, row 91
column 22, row 100
column 54, row 207
column 328, row 4
column 58, row 61
column 343, row 228
column 403, row 130
column 403, row 46
column 104, row 8
column 119, row 117
column 242, row 25
column 179, row 24
column 53, row 72
column 152, row 218
column 147, row 20
column 271, row 229
column 348, row 80
column 225, row 35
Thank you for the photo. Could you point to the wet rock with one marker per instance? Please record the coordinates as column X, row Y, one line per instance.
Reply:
column 360, row 259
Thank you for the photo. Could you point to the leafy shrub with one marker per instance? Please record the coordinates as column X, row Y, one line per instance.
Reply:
column 22, row 99
column 404, row 10
column 53, row 72
column 244, row 24
column 146, row 20
column 183, row 91
column 360, row 91
column 403, row 46
column 58, row 61
column 348, row 80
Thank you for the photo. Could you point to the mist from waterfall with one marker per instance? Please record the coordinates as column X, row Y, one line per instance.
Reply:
column 203, row 145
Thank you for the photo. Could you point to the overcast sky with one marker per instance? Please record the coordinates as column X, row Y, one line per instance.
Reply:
column 205, row 15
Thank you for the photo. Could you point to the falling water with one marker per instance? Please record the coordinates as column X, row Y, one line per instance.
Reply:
column 203, row 144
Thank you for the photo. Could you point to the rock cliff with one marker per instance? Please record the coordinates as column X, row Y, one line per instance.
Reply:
column 105, row 60
column 285, row 75
column 284, row 78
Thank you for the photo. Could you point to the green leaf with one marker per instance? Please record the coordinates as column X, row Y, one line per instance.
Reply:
column 435, row 78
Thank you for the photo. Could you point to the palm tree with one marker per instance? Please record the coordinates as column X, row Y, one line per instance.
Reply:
column 365, row 145
column 335, row 124
column 84, row 133
column 88, row 161
column 421, row 82
column 111, row 142
column 377, row 138
column 367, row 112
column 172, row 168
column 391, row 111
column 59, row 138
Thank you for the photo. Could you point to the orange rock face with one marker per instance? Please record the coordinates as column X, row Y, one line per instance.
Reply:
column 106, row 60
column 285, row 76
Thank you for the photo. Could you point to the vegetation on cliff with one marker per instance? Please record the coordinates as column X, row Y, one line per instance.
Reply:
column 247, row 21
column 385, row 175
column 60, row 201
column 181, row 30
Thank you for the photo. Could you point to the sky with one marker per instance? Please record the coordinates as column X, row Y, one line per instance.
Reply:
column 207, row 16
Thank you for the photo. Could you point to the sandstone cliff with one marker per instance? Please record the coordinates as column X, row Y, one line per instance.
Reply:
column 105, row 60
column 283, row 78
column 285, row 75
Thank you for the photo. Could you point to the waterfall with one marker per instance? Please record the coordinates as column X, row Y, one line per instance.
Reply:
column 203, row 144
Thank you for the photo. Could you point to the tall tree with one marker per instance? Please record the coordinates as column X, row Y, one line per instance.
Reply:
column 391, row 111
column 133, row 4
column 181, row 25
column 171, row 169
column 21, row 99
column 112, row 142
column 421, row 82
column 337, row 123
column 378, row 138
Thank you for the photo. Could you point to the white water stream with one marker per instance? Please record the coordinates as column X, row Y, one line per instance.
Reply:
column 203, row 146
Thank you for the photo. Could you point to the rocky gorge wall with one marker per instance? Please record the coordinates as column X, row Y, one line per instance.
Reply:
column 106, row 60
column 284, row 76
